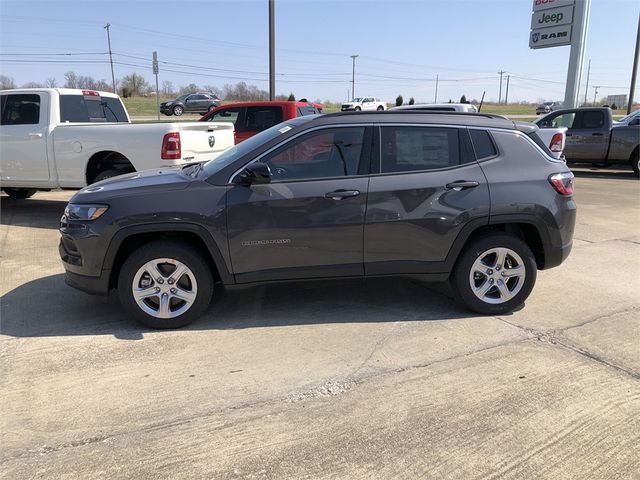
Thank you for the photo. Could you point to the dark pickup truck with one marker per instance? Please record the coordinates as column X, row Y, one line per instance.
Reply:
column 593, row 136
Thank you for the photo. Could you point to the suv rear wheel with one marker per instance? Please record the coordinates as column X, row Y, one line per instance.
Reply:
column 165, row 284
column 495, row 274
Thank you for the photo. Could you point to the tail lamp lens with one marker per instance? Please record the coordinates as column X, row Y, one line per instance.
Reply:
column 557, row 143
column 171, row 149
column 562, row 182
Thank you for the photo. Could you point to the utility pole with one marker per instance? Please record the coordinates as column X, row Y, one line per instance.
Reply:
column 272, row 51
column 113, row 77
column 635, row 69
column 586, row 89
column 595, row 94
column 501, row 72
column 353, row 77
column 506, row 95
column 581, row 12
column 435, row 99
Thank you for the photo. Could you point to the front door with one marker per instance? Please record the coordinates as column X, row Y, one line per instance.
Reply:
column 427, row 187
column 308, row 222
column 23, row 142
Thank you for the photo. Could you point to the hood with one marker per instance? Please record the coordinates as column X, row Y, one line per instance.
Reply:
column 132, row 184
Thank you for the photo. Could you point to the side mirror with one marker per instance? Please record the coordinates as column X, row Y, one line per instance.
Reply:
column 257, row 172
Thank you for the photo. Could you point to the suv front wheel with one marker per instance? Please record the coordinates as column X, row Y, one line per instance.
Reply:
column 495, row 274
column 165, row 284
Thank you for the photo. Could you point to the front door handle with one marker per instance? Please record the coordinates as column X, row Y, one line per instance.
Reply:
column 569, row 134
column 341, row 194
column 461, row 185
column 597, row 134
column 34, row 136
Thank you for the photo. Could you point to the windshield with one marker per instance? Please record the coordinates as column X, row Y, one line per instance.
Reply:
column 359, row 99
column 629, row 117
column 241, row 149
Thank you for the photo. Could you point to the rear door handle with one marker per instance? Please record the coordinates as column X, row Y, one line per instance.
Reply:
column 33, row 136
column 461, row 185
column 341, row 194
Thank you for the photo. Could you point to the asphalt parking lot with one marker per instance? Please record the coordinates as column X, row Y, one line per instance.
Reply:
column 379, row 379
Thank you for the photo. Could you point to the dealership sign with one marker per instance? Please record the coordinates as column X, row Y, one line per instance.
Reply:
column 551, row 23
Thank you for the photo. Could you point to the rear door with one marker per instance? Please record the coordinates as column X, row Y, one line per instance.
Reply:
column 308, row 221
column 426, row 188
column 23, row 139
column 590, row 135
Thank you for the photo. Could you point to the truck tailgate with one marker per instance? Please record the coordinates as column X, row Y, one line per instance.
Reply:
column 205, row 140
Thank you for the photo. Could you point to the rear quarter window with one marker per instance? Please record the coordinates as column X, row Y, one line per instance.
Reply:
column 483, row 144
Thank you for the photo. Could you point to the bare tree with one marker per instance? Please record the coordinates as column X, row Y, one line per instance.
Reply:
column 211, row 89
column 7, row 82
column 133, row 85
column 191, row 88
column 167, row 87
column 33, row 85
column 51, row 82
column 71, row 79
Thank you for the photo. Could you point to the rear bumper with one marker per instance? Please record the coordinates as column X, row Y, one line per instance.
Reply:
column 554, row 256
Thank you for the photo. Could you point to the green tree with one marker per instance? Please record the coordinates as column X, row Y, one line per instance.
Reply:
column 412, row 101
column 463, row 99
column 292, row 98
column 135, row 84
column 399, row 100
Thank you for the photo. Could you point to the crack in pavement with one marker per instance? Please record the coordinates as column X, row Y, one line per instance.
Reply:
column 557, row 337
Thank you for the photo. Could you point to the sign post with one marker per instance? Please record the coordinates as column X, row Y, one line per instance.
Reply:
column 576, row 57
column 156, row 70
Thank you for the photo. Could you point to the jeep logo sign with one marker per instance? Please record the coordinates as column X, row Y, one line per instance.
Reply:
column 550, row 37
column 552, row 18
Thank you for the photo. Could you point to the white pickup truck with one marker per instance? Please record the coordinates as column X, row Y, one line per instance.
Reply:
column 364, row 104
column 67, row 138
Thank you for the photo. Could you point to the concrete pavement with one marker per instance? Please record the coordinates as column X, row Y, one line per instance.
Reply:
column 385, row 378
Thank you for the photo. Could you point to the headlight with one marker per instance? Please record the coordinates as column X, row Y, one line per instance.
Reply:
column 84, row 212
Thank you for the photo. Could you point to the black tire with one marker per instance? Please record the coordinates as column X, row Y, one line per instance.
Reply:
column 166, row 249
column 211, row 107
column 357, row 109
column 178, row 110
column 107, row 174
column 461, row 284
column 20, row 193
column 635, row 161
column 380, row 108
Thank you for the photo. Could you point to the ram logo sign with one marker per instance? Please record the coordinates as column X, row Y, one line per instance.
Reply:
column 550, row 37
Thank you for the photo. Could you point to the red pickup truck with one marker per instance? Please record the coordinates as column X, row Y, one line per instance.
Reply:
column 250, row 118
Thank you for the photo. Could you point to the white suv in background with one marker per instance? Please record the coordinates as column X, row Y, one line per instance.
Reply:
column 363, row 103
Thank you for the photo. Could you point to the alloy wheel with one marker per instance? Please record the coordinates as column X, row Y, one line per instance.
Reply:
column 497, row 275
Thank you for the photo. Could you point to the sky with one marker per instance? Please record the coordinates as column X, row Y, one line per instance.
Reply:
column 401, row 46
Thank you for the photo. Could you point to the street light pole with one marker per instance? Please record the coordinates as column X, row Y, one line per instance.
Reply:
column 272, row 51
column 635, row 69
column 113, row 77
column 353, row 77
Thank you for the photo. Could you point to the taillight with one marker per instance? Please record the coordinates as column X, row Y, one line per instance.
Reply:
column 562, row 182
column 557, row 143
column 171, row 149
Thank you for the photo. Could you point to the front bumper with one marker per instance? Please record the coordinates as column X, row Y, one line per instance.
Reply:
column 166, row 108
column 345, row 108
column 92, row 285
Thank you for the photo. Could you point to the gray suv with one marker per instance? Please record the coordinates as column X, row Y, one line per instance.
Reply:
column 471, row 198
column 193, row 102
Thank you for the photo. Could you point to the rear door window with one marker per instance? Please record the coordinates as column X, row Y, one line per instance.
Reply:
column 589, row 119
column 302, row 111
column 407, row 149
column 20, row 109
column 80, row 108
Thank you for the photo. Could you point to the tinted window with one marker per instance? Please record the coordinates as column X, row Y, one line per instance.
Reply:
column 307, row 111
column 261, row 118
column 226, row 115
column 482, row 144
column 441, row 109
column 564, row 120
column 406, row 149
column 326, row 153
column 77, row 108
column 591, row 119
column 20, row 109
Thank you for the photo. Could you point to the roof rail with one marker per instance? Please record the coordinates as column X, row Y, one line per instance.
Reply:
column 446, row 112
